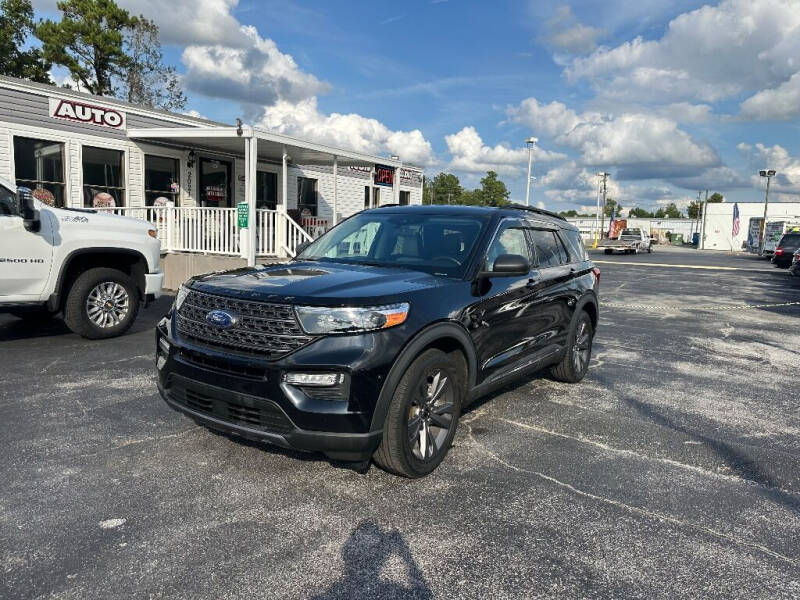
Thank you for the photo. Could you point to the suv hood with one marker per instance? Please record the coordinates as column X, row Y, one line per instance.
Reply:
column 320, row 283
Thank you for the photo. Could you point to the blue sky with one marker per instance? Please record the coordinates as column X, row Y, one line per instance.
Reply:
column 669, row 97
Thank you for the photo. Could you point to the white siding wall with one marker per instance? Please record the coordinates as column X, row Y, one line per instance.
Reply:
column 719, row 221
column 350, row 193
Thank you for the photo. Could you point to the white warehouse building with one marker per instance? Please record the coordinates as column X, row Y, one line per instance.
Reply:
column 76, row 150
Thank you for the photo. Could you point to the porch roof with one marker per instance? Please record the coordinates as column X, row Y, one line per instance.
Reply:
column 231, row 140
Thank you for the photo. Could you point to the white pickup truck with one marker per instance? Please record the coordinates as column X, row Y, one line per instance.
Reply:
column 630, row 241
column 94, row 268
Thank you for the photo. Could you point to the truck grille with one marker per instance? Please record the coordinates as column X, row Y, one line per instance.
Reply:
column 261, row 328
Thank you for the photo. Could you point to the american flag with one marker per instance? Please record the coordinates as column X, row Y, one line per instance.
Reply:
column 735, row 220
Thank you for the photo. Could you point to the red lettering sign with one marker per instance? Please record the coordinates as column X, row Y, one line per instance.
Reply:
column 80, row 112
column 384, row 175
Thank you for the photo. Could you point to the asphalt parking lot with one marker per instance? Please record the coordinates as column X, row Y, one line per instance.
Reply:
column 673, row 470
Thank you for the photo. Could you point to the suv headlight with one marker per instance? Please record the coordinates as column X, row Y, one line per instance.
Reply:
column 317, row 320
column 183, row 291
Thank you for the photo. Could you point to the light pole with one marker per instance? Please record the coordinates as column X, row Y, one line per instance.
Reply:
column 769, row 174
column 530, row 142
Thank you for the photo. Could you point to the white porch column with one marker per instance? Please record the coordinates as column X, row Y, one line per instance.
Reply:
column 244, row 234
column 335, row 185
column 250, row 191
column 280, row 226
column 396, row 185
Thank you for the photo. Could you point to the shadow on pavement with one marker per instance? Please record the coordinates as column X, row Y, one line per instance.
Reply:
column 745, row 464
column 365, row 553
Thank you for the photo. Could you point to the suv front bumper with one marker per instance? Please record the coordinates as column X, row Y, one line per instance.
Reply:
column 247, row 396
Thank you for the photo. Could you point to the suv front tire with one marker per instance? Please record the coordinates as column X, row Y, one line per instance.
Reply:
column 423, row 415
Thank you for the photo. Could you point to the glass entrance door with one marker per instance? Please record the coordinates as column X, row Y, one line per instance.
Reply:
column 215, row 183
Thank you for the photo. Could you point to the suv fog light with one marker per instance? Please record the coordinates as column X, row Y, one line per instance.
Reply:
column 314, row 379
column 163, row 344
column 160, row 362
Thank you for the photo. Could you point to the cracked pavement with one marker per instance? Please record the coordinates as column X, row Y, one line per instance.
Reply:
column 673, row 470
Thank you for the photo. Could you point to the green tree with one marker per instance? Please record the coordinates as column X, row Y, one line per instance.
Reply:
column 16, row 24
column 695, row 209
column 568, row 213
column 443, row 189
column 89, row 41
column 147, row 81
column 716, row 197
column 612, row 208
column 641, row 213
column 493, row 192
column 671, row 212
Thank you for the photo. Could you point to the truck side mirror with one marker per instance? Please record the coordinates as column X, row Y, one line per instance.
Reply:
column 30, row 216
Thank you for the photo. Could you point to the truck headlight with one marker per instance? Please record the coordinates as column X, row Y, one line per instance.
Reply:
column 183, row 291
column 317, row 320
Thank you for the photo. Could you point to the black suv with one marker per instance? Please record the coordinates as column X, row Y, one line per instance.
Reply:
column 375, row 337
column 787, row 246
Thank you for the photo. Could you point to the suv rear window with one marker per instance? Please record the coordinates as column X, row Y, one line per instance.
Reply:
column 574, row 242
column 790, row 239
column 550, row 251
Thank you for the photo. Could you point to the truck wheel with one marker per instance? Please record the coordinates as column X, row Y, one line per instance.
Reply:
column 102, row 303
column 575, row 363
column 608, row 251
column 650, row 249
column 423, row 415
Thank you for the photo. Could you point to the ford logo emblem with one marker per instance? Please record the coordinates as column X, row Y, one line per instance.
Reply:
column 221, row 319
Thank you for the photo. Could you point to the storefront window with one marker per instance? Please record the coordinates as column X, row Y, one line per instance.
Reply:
column 405, row 198
column 39, row 165
column 215, row 183
column 376, row 196
column 103, row 177
column 266, row 190
column 307, row 195
column 366, row 197
column 161, row 180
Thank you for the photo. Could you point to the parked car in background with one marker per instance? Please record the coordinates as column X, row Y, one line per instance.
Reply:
column 630, row 241
column 377, row 335
column 94, row 268
column 773, row 231
column 794, row 269
column 784, row 251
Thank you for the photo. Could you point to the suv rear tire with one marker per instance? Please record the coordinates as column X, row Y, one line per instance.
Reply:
column 575, row 363
column 101, row 303
column 428, row 398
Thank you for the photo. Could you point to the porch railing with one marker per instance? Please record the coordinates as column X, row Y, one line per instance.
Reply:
column 216, row 230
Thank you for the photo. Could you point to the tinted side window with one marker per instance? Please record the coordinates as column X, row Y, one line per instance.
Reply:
column 510, row 239
column 574, row 243
column 549, row 250
column 9, row 206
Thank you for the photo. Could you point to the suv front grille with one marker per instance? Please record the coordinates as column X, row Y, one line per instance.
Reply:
column 229, row 406
column 261, row 328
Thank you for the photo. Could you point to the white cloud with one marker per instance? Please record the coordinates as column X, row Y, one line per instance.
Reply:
column 779, row 103
column 257, row 73
column 711, row 53
column 568, row 35
column 471, row 155
column 353, row 131
column 640, row 145
column 787, row 179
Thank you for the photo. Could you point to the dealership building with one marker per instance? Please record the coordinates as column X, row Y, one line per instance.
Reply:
column 188, row 174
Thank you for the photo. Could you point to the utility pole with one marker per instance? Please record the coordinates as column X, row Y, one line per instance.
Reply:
column 702, row 243
column 698, row 215
column 604, row 175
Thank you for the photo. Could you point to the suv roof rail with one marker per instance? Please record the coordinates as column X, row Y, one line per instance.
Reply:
column 533, row 209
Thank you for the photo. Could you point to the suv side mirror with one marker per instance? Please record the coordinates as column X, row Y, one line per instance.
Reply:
column 28, row 212
column 509, row 265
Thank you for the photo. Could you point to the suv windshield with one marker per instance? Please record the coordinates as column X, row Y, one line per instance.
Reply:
column 434, row 243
